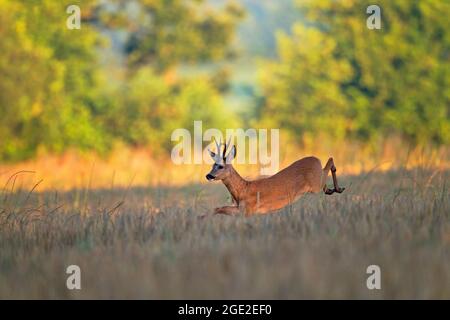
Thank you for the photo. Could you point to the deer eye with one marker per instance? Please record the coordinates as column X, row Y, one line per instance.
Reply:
column 220, row 166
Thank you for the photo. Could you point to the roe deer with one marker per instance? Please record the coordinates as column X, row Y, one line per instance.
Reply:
column 275, row 192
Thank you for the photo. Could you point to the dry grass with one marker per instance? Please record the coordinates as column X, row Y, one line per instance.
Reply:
column 138, row 168
column 148, row 242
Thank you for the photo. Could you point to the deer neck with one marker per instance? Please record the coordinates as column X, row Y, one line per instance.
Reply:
column 235, row 184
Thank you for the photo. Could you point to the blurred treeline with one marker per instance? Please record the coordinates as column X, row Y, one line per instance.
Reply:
column 337, row 77
column 330, row 77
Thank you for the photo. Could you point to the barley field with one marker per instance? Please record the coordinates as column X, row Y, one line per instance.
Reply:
column 149, row 243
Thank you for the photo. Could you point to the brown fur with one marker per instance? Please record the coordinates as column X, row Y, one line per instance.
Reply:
column 275, row 192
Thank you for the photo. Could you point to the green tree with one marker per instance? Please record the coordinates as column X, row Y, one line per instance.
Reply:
column 49, row 76
column 161, row 36
column 302, row 92
column 171, row 32
column 54, row 93
column 147, row 109
column 335, row 75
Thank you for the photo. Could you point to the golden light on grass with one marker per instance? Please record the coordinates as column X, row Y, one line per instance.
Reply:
column 127, row 167
column 148, row 243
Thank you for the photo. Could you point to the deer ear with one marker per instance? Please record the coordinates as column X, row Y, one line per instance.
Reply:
column 231, row 155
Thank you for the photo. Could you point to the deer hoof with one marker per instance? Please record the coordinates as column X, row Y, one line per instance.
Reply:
column 329, row 191
column 339, row 190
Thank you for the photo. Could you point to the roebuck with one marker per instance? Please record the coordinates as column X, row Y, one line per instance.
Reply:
column 272, row 193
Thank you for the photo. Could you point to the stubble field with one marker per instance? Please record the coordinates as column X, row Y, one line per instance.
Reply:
column 148, row 243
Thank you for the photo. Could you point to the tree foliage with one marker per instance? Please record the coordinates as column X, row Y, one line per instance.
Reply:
column 48, row 81
column 173, row 31
column 336, row 76
column 54, row 94
column 332, row 75
column 146, row 109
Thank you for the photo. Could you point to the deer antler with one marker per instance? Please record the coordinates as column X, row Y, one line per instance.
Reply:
column 217, row 157
column 218, row 146
column 225, row 148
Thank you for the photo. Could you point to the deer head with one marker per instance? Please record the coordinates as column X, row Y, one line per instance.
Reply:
column 221, row 168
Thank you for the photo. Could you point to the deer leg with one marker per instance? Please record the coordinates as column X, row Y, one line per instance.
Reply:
column 326, row 169
column 330, row 166
column 335, row 183
column 228, row 210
